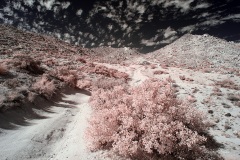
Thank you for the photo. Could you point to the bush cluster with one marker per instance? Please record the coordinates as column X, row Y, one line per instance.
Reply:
column 147, row 119
column 44, row 87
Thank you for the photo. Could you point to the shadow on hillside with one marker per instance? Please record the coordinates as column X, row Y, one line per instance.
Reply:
column 22, row 116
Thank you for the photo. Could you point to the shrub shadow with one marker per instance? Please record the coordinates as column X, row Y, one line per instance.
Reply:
column 22, row 116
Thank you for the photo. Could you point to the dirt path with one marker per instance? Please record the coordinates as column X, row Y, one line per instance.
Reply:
column 59, row 136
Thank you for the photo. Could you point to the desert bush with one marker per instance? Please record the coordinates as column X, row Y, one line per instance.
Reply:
column 102, row 70
column 12, row 83
column 27, row 63
column 182, row 77
column 234, row 98
column 31, row 96
column 227, row 83
column 44, row 87
column 84, row 84
column 14, row 96
column 153, row 66
column 66, row 75
column 108, row 83
column 11, row 100
column 80, row 59
column 216, row 92
column 160, row 72
column 145, row 119
column 99, row 69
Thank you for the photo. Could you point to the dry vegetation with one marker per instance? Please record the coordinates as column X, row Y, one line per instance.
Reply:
column 227, row 83
column 147, row 121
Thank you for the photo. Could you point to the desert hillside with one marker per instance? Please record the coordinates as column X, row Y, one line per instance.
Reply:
column 59, row 101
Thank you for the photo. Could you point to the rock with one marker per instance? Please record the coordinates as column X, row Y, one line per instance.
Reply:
column 210, row 111
column 145, row 63
column 228, row 115
column 226, row 105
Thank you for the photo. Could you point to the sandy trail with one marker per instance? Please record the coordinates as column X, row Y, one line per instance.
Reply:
column 59, row 136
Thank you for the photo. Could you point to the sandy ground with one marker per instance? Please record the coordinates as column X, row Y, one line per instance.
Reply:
column 61, row 134
column 49, row 138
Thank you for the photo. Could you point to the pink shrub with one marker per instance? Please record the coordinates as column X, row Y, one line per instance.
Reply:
column 84, row 84
column 216, row 92
column 160, row 72
column 108, row 83
column 146, row 119
column 80, row 59
column 88, row 68
column 66, row 75
column 27, row 63
column 182, row 77
column 153, row 66
column 102, row 70
column 228, row 83
column 44, row 87
column 99, row 69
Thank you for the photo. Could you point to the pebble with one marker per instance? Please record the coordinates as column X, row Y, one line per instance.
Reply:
column 210, row 111
column 226, row 106
column 228, row 115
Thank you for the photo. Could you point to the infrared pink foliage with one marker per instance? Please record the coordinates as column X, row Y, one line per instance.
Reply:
column 44, row 87
column 147, row 118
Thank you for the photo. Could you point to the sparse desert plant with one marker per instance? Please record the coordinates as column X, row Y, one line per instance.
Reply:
column 44, row 87
column 105, row 71
column 10, row 100
column 206, row 70
column 234, row 98
column 153, row 66
column 108, row 83
column 160, row 72
column 31, row 96
column 27, row 63
column 145, row 120
column 216, row 91
column 195, row 90
column 227, row 83
column 14, row 96
column 66, row 75
column 84, row 84
column 80, row 59
column 189, row 79
column 182, row 77
column 12, row 83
